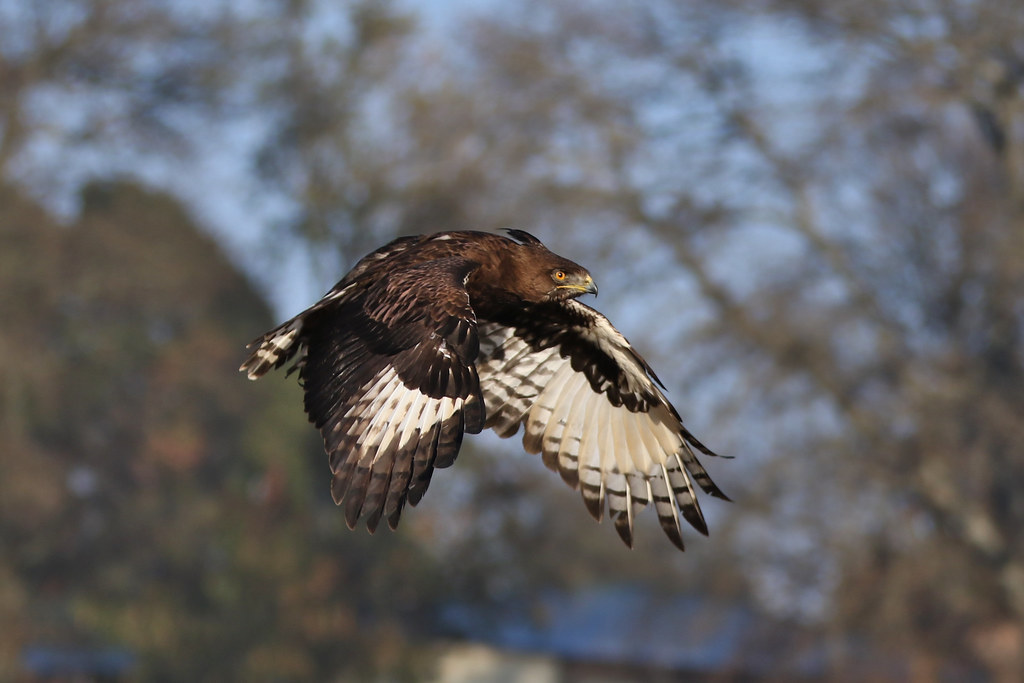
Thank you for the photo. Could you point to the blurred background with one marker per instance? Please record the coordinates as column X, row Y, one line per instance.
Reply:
column 808, row 215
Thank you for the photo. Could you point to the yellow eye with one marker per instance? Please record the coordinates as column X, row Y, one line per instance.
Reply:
column 559, row 275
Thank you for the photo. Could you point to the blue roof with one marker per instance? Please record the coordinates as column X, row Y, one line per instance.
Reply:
column 621, row 624
column 57, row 661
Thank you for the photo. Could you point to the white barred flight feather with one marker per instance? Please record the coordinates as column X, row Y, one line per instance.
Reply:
column 431, row 337
column 608, row 451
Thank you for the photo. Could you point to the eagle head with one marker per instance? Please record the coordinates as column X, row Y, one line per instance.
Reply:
column 549, row 277
column 539, row 275
column 569, row 281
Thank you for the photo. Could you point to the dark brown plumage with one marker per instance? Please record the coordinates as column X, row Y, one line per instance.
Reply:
column 431, row 337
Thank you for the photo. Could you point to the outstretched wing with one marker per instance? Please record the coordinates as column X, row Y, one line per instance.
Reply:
column 389, row 378
column 592, row 408
column 286, row 341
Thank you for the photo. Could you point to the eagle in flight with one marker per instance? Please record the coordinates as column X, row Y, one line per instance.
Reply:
column 434, row 336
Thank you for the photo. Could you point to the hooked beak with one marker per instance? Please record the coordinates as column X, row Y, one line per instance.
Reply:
column 585, row 285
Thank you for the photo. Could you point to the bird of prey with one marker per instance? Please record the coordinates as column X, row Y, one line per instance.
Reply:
column 434, row 336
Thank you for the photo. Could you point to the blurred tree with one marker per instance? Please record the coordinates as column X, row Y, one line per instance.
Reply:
column 933, row 274
column 108, row 74
column 143, row 86
column 841, row 186
column 875, row 316
column 151, row 497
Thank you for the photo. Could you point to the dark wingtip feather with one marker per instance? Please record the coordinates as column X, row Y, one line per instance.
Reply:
column 711, row 488
column 449, row 442
column 473, row 414
column 339, row 484
column 353, row 505
column 395, row 516
column 622, row 526
column 671, row 530
column 692, row 515
column 594, row 503
column 376, row 494
column 356, row 495
column 717, row 493
column 419, row 486
column 693, row 441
